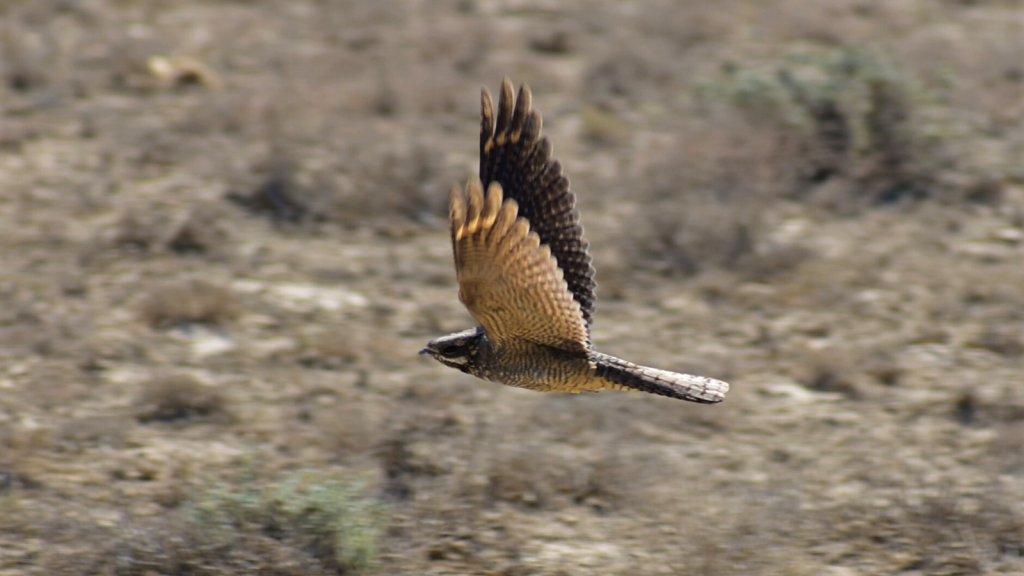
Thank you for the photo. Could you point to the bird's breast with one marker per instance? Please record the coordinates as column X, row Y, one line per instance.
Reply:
column 541, row 368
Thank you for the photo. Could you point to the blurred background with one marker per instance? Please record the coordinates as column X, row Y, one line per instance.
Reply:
column 223, row 241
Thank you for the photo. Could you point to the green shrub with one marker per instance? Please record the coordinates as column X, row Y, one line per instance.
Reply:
column 326, row 516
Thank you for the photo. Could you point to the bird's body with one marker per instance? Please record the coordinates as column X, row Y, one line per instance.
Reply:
column 524, row 365
column 525, row 273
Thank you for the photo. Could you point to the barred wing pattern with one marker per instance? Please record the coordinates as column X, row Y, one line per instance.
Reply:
column 525, row 274
column 513, row 154
column 508, row 280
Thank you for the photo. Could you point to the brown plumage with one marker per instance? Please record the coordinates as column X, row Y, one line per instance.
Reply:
column 513, row 154
column 525, row 273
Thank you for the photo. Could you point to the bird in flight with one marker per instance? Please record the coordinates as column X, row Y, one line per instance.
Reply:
column 525, row 274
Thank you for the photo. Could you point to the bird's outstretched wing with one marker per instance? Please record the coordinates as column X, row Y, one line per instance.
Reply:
column 513, row 154
column 508, row 280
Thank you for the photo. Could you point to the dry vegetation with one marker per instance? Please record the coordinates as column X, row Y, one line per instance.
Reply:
column 222, row 243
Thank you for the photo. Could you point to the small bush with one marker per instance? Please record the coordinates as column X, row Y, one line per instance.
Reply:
column 189, row 301
column 1002, row 342
column 136, row 231
column 540, row 476
column 832, row 371
column 324, row 516
column 552, row 41
column 277, row 195
column 703, row 205
column 300, row 525
column 382, row 187
column 854, row 116
column 181, row 397
column 195, row 231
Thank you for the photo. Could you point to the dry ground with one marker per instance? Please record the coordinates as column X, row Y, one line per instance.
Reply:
column 222, row 244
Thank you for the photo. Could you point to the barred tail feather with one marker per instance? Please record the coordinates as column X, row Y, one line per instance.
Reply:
column 623, row 375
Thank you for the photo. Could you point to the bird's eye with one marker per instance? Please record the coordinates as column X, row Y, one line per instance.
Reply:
column 448, row 350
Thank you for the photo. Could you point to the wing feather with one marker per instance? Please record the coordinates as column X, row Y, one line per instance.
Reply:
column 507, row 278
column 514, row 155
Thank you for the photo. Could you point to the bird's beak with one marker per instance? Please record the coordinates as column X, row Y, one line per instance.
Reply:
column 424, row 351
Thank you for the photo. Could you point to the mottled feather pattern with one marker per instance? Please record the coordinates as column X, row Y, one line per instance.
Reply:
column 513, row 154
column 507, row 277
column 525, row 274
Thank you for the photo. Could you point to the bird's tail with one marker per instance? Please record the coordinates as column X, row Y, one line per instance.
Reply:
column 622, row 375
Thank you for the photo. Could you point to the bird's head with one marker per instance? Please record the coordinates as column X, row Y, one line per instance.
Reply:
column 457, row 350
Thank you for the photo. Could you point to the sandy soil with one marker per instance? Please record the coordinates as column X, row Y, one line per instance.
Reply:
column 222, row 243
